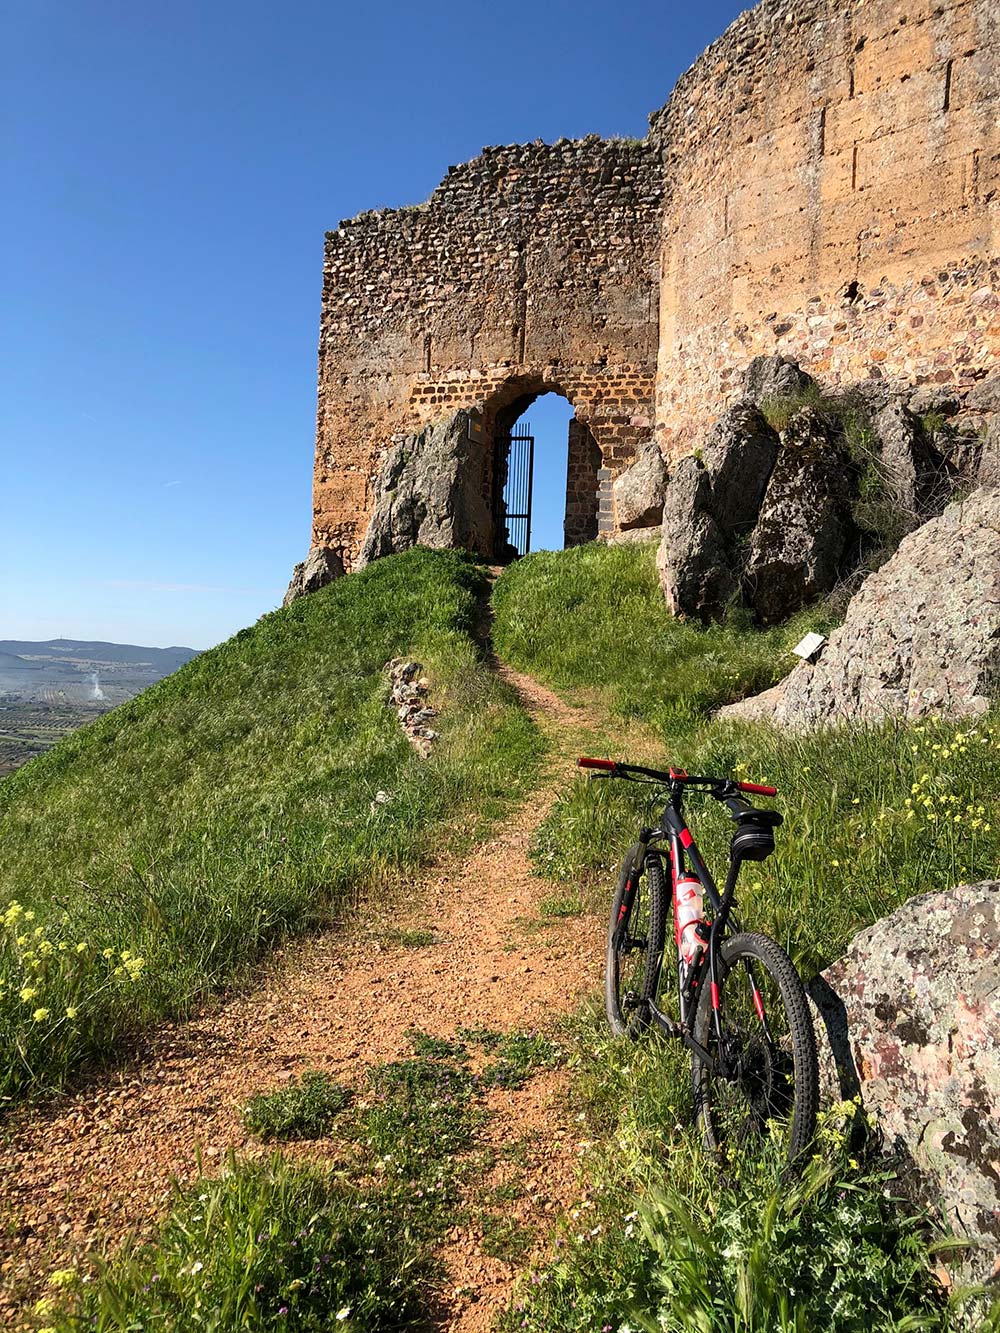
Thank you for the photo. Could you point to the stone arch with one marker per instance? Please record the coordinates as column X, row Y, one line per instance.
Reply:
column 586, row 473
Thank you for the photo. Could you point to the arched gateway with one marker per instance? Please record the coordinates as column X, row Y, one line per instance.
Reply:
column 530, row 270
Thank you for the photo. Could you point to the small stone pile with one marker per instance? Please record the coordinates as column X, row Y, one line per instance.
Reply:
column 409, row 696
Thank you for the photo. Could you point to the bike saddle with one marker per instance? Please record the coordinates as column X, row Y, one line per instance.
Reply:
column 754, row 836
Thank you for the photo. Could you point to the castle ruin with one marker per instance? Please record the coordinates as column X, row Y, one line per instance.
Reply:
column 822, row 183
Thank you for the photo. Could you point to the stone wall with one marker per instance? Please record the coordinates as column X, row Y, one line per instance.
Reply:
column 822, row 184
column 831, row 194
column 530, row 269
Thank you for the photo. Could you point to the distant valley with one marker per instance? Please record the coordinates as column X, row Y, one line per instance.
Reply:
column 49, row 689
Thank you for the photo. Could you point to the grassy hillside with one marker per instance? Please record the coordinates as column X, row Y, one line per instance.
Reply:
column 153, row 855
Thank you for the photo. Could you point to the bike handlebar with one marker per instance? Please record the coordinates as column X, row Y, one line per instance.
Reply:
column 724, row 785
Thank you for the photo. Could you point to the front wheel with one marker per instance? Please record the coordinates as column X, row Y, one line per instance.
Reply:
column 635, row 944
column 767, row 1082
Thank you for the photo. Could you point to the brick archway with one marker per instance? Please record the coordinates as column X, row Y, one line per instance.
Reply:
column 588, row 481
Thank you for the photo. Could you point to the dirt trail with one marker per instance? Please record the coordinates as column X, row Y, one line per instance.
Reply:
column 99, row 1162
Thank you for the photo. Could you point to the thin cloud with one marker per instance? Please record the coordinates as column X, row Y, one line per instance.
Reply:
column 168, row 484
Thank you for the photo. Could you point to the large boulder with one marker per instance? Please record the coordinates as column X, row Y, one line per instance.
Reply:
column 739, row 455
column 774, row 377
column 921, row 636
column 797, row 548
column 429, row 493
column 912, row 1012
column 911, row 469
column 694, row 559
column 320, row 567
column 639, row 491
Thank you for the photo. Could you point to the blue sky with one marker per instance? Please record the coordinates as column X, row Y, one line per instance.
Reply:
column 169, row 172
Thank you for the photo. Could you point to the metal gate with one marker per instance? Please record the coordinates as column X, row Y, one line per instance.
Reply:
column 513, row 517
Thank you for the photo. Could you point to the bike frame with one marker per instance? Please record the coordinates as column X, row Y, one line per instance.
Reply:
column 683, row 853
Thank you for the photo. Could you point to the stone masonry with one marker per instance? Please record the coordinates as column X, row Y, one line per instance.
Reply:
column 531, row 269
column 821, row 184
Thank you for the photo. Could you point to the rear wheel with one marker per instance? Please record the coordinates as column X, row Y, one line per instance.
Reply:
column 635, row 945
column 769, row 1087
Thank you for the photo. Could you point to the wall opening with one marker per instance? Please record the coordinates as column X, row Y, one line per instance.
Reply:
column 545, row 482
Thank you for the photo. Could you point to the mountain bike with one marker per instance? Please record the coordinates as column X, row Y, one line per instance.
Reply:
column 742, row 1010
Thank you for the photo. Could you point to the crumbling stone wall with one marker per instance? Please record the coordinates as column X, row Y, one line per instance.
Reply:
column 530, row 269
column 831, row 195
column 822, row 184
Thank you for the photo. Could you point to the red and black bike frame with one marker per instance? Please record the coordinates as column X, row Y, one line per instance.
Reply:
column 685, row 857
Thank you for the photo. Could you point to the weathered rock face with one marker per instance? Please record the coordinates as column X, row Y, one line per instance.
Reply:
column 912, row 470
column 921, row 636
column 914, row 1011
column 319, row 568
column 989, row 459
column 769, row 377
column 429, row 493
column 639, row 491
column 694, row 559
column 740, row 454
column 798, row 544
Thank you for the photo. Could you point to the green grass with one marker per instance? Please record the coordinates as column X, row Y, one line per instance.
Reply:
column 306, row 1108
column 156, row 854
column 262, row 1246
column 276, row 1245
column 593, row 617
column 872, row 816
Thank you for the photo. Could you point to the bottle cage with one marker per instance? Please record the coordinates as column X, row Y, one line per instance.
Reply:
column 754, row 836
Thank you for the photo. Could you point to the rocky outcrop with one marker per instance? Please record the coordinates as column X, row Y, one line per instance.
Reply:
column 320, row 567
column 770, row 377
column 429, row 493
column 639, row 491
column 911, row 469
column 739, row 455
column 989, row 459
column 921, row 636
column 912, row 1014
column 804, row 527
column 408, row 692
column 694, row 559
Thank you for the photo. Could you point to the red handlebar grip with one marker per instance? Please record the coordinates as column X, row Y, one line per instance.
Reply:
column 758, row 788
column 608, row 764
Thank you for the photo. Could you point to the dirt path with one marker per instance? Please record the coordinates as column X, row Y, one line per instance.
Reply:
column 99, row 1163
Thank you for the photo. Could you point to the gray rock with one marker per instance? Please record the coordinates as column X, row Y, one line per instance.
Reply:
column 911, row 469
column 912, row 1019
column 634, row 536
column 769, row 377
column 989, row 458
column 694, row 559
column 320, row 567
column 921, row 636
column 797, row 548
column 429, row 493
column 985, row 396
column 639, row 491
column 934, row 398
column 739, row 454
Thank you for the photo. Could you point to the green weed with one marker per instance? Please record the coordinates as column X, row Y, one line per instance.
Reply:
column 559, row 905
column 304, row 1109
column 264, row 1245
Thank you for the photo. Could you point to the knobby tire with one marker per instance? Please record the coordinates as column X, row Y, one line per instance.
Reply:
column 635, row 969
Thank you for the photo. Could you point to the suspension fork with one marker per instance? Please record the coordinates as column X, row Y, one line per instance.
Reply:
column 631, row 885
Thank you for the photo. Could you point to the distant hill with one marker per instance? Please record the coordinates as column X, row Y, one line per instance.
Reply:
column 165, row 660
